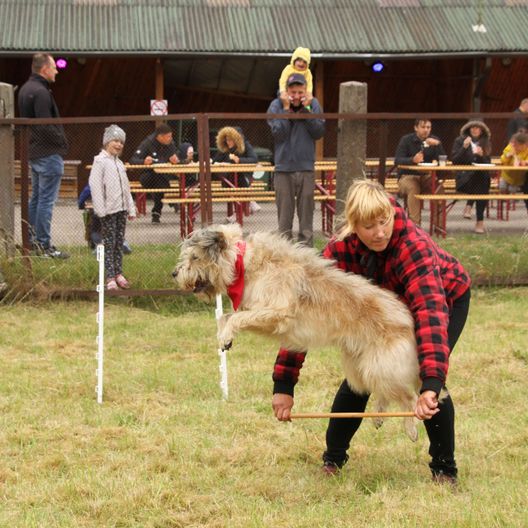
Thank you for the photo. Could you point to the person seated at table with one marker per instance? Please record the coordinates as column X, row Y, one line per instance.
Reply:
column 233, row 147
column 515, row 154
column 185, row 155
column 157, row 147
column 413, row 149
column 473, row 145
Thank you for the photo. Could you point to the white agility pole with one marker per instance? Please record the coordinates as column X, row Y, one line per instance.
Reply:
column 222, row 353
column 100, row 324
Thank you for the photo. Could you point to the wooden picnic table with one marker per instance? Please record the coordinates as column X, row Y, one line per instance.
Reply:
column 438, row 202
column 240, row 197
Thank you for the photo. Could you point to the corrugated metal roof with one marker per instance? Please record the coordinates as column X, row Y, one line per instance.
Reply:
column 327, row 27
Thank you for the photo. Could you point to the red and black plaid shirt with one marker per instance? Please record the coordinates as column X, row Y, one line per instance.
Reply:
column 425, row 277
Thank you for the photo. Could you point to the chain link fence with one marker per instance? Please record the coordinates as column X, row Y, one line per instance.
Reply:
column 197, row 190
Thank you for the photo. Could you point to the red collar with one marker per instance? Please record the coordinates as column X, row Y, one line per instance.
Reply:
column 236, row 289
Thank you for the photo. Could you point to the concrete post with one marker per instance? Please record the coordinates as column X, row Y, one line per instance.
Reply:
column 7, row 171
column 351, row 140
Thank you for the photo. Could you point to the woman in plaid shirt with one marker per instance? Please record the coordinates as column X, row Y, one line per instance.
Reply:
column 381, row 243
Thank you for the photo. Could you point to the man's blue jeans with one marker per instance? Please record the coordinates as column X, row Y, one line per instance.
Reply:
column 45, row 180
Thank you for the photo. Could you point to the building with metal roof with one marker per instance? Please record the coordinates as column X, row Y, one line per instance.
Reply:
column 330, row 28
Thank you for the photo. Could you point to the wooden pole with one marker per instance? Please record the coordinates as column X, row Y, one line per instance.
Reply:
column 7, row 170
column 319, row 91
column 159, row 79
column 351, row 140
column 353, row 415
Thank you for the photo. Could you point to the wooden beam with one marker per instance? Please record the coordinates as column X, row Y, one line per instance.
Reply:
column 319, row 90
column 159, row 80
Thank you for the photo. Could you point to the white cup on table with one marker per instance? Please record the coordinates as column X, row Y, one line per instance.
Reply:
column 442, row 160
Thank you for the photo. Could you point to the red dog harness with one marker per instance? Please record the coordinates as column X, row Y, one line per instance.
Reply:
column 236, row 289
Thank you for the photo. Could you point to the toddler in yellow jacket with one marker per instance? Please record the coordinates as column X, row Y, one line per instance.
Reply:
column 516, row 155
column 300, row 63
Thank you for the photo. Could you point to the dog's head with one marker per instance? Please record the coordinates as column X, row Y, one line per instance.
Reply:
column 207, row 260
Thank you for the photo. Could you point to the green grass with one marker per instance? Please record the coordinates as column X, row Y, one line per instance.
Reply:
column 499, row 260
column 164, row 450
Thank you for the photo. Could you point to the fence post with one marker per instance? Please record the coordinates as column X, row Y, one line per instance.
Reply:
column 7, row 171
column 24, row 186
column 383, row 138
column 351, row 139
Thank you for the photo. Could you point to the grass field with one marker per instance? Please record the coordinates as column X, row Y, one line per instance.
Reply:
column 164, row 450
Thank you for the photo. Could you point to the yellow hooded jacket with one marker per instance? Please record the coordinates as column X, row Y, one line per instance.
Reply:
column 513, row 177
column 299, row 53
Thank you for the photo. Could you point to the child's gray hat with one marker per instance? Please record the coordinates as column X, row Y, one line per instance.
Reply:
column 113, row 132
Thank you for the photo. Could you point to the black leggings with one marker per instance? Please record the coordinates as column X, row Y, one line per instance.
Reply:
column 113, row 233
column 440, row 428
column 478, row 184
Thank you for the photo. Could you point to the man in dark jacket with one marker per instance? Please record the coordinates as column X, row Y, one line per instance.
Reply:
column 294, row 158
column 158, row 147
column 520, row 122
column 414, row 149
column 47, row 146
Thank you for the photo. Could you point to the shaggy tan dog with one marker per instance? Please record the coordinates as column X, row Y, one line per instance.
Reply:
column 292, row 294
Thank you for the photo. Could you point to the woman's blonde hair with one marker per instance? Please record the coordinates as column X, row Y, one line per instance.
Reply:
column 366, row 201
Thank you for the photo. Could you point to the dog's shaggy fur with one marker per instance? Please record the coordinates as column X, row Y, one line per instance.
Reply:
column 304, row 301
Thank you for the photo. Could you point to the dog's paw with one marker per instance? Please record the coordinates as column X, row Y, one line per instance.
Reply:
column 410, row 429
column 378, row 422
column 225, row 338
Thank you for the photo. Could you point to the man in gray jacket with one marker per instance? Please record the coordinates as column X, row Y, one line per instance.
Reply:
column 294, row 158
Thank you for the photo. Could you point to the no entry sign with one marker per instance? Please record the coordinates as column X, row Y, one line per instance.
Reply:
column 159, row 107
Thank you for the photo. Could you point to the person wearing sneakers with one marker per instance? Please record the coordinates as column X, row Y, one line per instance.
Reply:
column 158, row 147
column 112, row 203
column 380, row 242
column 473, row 145
column 47, row 147
column 233, row 147
column 415, row 148
column 300, row 63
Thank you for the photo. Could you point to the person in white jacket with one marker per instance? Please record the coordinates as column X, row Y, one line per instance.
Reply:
column 112, row 203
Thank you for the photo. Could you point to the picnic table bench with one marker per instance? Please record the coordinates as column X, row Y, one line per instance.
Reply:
column 69, row 187
column 445, row 202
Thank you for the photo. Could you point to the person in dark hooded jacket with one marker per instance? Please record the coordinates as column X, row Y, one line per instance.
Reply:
column 157, row 147
column 473, row 145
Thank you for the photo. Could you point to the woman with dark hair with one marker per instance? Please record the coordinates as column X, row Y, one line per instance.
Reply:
column 473, row 146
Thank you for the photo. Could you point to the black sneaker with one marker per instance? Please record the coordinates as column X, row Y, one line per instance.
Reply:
column 155, row 218
column 53, row 252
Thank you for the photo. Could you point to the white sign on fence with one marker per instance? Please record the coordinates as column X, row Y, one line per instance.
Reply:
column 159, row 107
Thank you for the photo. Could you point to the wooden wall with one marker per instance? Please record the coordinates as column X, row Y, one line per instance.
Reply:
column 124, row 86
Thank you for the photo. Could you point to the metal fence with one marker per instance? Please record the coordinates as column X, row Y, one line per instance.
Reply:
column 153, row 246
